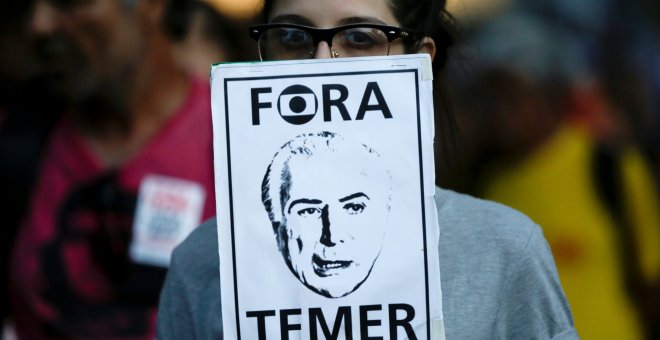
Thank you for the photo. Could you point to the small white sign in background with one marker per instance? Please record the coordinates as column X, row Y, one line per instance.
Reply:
column 168, row 209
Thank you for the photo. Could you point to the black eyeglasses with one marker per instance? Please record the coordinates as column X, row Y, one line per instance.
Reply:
column 289, row 41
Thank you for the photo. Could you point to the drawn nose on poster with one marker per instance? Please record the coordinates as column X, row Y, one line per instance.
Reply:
column 297, row 104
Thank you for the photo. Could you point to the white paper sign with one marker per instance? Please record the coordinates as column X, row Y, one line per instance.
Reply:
column 327, row 226
column 168, row 209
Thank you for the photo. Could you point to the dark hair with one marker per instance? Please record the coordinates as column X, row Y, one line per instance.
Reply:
column 429, row 18
column 176, row 18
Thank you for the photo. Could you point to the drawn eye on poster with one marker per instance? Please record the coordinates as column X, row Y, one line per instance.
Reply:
column 327, row 227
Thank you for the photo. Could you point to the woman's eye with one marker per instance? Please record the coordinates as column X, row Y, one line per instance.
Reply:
column 354, row 208
column 294, row 38
column 308, row 212
column 360, row 38
column 363, row 39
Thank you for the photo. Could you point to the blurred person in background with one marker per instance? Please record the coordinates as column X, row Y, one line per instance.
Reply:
column 643, row 38
column 629, row 70
column 205, row 35
column 548, row 135
column 24, row 125
column 132, row 111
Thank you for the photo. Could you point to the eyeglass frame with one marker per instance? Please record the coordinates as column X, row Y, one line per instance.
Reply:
column 327, row 34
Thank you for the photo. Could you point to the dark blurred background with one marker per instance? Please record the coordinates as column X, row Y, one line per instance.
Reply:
column 557, row 104
column 557, row 108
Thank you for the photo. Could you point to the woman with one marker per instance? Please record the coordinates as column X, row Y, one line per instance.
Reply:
column 498, row 277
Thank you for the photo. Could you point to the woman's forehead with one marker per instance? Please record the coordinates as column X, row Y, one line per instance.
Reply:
column 330, row 13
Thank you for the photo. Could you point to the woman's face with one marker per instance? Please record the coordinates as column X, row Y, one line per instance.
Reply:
column 332, row 13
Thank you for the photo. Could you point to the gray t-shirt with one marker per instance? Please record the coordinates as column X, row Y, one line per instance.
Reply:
column 499, row 280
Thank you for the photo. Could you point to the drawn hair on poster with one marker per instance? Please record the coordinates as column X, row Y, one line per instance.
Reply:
column 328, row 199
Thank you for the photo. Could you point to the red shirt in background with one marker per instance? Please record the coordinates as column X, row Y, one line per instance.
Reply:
column 70, row 272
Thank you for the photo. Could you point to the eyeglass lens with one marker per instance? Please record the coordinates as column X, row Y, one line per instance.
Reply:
column 284, row 43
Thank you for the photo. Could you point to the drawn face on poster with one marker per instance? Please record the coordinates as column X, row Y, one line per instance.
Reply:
column 328, row 200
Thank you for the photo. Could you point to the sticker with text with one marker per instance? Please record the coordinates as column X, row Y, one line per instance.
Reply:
column 168, row 210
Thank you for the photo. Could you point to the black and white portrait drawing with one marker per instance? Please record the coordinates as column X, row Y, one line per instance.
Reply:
column 328, row 199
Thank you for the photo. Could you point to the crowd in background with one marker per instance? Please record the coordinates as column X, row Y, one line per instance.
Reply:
column 556, row 112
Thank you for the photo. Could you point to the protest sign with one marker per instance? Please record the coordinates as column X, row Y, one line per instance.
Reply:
column 324, row 174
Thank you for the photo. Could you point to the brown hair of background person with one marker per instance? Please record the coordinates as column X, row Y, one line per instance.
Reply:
column 203, row 35
column 103, row 56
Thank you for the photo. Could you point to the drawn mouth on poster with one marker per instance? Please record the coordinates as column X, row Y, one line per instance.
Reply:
column 325, row 268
